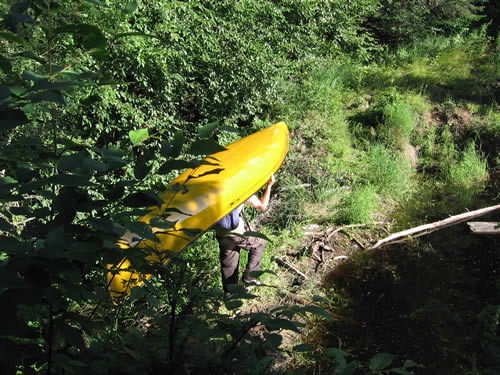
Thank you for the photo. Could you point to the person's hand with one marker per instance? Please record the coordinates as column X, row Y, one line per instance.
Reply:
column 272, row 180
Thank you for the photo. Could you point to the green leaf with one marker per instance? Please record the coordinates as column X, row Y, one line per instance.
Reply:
column 130, row 7
column 316, row 310
column 41, row 212
column 55, row 238
column 21, row 211
column 6, row 184
column 45, row 84
column 258, row 235
column 276, row 324
column 114, row 193
column 319, row 299
column 94, row 165
column 112, row 157
column 303, row 348
column 335, row 352
column 52, row 96
column 4, row 92
column 69, row 180
column 142, row 199
column 174, row 149
column 137, row 136
column 233, row 304
column 67, row 363
column 31, row 56
column 5, row 225
column 212, row 171
column 192, row 232
column 70, row 163
column 136, row 33
column 207, row 130
column 25, row 175
column 136, row 293
column 108, row 226
column 5, row 65
column 33, row 76
column 273, row 339
column 142, row 230
column 174, row 165
column 152, row 301
column 160, row 223
column 401, row 371
column 11, row 245
column 409, row 363
column 381, row 361
column 12, row 38
column 205, row 147
column 73, row 336
column 98, row 3
column 94, row 41
column 141, row 170
column 9, row 119
column 231, row 129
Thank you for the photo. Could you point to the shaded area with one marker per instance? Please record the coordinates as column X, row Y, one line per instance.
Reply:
column 436, row 302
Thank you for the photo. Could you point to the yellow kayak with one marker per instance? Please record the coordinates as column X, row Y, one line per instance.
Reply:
column 200, row 197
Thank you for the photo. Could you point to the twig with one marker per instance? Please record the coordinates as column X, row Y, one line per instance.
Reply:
column 283, row 263
column 353, row 226
column 341, row 257
column 355, row 239
column 316, row 257
column 236, row 341
column 428, row 228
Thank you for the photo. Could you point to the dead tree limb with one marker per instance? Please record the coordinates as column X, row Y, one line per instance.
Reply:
column 293, row 268
column 482, row 227
column 332, row 232
column 428, row 228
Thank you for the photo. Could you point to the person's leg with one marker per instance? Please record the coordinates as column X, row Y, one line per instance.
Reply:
column 229, row 261
column 255, row 247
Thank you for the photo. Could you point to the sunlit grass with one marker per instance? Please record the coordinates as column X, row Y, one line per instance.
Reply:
column 466, row 178
column 387, row 172
column 399, row 123
column 360, row 206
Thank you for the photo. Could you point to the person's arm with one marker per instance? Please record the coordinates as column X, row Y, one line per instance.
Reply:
column 263, row 203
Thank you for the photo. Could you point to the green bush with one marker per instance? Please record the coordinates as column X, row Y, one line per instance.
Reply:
column 360, row 206
column 398, row 123
column 466, row 178
column 399, row 21
column 387, row 172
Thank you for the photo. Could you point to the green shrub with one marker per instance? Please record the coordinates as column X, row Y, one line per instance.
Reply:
column 388, row 173
column 466, row 178
column 360, row 206
column 399, row 123
column 399, row 21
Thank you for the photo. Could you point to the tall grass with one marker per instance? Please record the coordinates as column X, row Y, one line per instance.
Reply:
column 387, row 171
column 467, row 178
column 360, row 206
column 399, row 123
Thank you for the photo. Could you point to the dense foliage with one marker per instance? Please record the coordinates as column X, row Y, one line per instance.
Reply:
column 102, row 103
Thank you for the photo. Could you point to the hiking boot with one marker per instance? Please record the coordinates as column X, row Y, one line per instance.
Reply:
column 249, row 280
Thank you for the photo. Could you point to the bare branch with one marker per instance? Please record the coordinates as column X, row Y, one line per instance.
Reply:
column 428, row 228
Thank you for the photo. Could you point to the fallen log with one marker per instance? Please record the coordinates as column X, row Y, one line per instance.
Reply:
column 484, row 227
column 429, row 228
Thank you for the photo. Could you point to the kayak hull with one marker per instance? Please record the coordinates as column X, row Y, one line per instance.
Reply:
column 200, row 197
